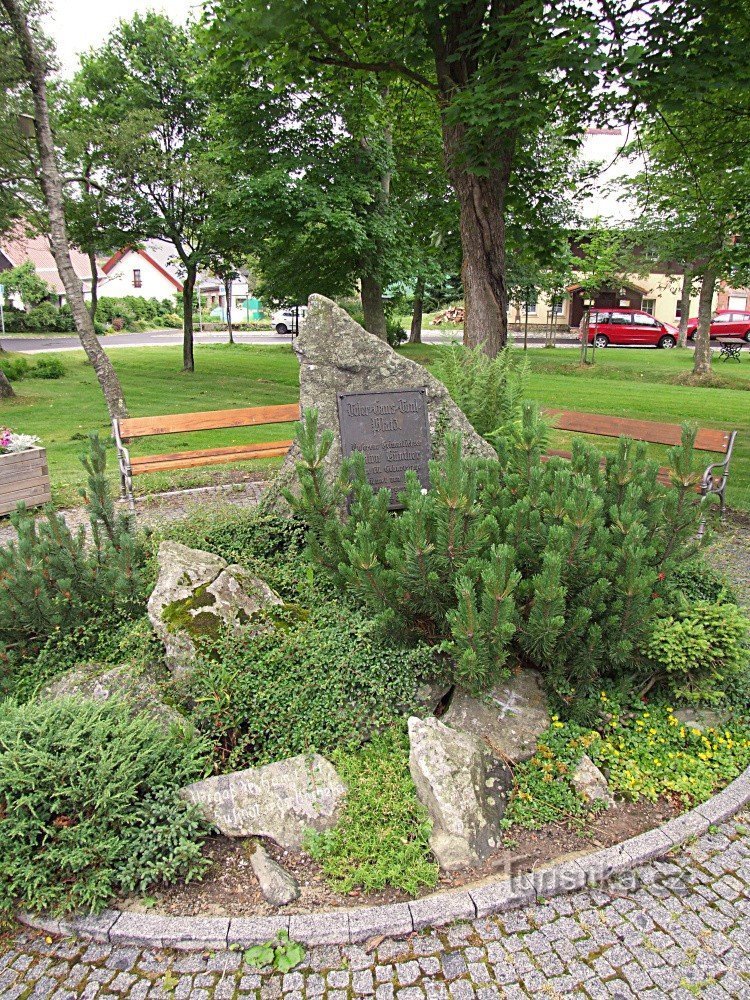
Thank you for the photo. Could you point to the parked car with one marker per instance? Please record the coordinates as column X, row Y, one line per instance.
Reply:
column 725, row 323
column 629, row 328
column 285, row 320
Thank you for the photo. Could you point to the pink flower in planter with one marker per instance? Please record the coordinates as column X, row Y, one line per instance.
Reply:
column 11, row 443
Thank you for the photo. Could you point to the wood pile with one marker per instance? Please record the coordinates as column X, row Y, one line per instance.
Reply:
column 454, row 314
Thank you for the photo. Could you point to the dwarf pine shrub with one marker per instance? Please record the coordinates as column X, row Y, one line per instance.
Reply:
column 89, row 805
column 553, row 563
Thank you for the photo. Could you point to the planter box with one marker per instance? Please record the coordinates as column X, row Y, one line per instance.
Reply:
column 24, row 477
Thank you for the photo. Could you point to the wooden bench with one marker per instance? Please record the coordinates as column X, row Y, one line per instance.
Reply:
column 707, row 439
column 180, row 423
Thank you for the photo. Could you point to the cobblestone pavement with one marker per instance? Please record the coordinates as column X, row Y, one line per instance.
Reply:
column 678, row 928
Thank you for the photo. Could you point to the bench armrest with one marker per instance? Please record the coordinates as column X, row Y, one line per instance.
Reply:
column 707, row 482
column 123, row 461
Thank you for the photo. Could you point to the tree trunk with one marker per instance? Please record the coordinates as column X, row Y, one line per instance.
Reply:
column 415, row 334
column 372, row 306
column 51, row 184
column 188, row 359
column 94, row 285
column 482, row 206
column 228, row 301
column 702, row 357
column 687, row 287
column 6, row 389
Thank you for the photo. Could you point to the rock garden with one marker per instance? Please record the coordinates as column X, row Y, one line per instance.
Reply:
column 349, row 697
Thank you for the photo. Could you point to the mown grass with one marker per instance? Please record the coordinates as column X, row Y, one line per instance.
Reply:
column 636, row 383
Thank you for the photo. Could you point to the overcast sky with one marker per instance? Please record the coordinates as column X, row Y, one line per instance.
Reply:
column 78, row 25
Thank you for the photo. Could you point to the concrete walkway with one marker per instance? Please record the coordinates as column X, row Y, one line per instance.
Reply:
column 674, row 929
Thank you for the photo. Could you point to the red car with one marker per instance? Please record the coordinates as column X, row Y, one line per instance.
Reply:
column 629, row 328
column 725, row 323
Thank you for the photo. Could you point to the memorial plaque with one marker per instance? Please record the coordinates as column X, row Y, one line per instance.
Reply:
column 392, row 432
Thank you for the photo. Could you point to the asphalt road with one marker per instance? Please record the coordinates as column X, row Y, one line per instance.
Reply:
column 170, row 338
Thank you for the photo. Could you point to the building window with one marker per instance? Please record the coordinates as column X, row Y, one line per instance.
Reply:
column 649, row 305
column 136, row 278
column 531, row 300
column 737, row 302
column 556, row 305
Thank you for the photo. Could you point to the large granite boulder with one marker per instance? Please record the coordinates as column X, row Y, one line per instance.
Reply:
column 509, row 718
column 464, row 790
column 98, row 682
column 196, row 594
column 337, row 355
column 280, row 801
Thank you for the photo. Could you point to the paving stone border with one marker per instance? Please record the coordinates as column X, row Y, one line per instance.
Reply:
column 353, row 926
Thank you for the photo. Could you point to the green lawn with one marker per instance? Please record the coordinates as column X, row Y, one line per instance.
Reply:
column 623, row 382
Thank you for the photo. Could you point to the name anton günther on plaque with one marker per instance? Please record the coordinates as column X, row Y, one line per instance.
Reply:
column 392, row 432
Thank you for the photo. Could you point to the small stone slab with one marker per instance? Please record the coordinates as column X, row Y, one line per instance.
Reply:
column 591, row 784
column 499, row 897
column 247, row 931
column 182, row 933
column 281, row 801
column 320, row 928
column 393, row 920
column 647, row 846
column 279, row 888
column 566, row 876
column 510, row 717
column 442, row 908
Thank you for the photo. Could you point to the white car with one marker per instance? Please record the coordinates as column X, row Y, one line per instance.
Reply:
column 286, row 320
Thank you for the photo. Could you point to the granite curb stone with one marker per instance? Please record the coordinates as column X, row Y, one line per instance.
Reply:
column 397, row 919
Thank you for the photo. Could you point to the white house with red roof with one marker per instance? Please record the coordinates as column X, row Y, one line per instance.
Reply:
column 17, row 248
column 151, row 271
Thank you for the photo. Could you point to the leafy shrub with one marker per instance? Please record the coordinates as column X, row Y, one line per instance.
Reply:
column 542, row 789
column 51, row 368
column 301, row 682
column 14, row 369
column 700, row 649
column 89, row 805
column 490, row 391
column 52, row 580
column 172, row 320
column 382, row 837
column 554, row 562
column 650, row 754
column 696, row 580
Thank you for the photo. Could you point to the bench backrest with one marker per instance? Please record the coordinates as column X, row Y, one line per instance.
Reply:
column 178, row 423
column 602, row 425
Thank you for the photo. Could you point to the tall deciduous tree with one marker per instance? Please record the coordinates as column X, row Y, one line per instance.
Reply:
column 31, row 54
column 499, row 72
column 143, row 98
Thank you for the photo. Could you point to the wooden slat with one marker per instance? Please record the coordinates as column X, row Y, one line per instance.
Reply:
column 603, row 425
column 19, row 457
column 237, row 449
column 272, row 451
column 178, row 423
column 32, row 497
column 28, row 469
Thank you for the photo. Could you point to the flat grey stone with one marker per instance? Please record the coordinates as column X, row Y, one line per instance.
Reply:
column 98, row 927
column 281, row 801
column 560, row 878
column 248, row 931
column 97, row 682
column 601, row 865
column 682, row 828
column 701, row 718
column 441, row 908
column 183, row 933
column 726, row 803
column 320, row 928
column 509, row 718
column 644, row 847
column 392, row 920
column 498, row 897
column 337, row 355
